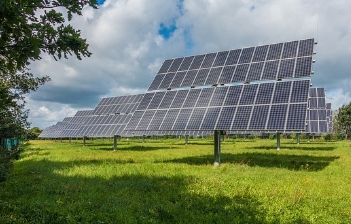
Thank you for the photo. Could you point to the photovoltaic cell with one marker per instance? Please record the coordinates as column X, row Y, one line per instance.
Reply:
column 186, row 63
column 145, row 121
column 282, row 92
column 145, row 101
column 191, row 98
column 197, row 62
column 165, row 66
column 169, row 119
column 205, row 97
column 306, row 47
column 240, row 73
column 225, row 118
column 259, row 117
column 303, row 67
column 242, row 117
column 264, row 94
column 248, row 95
column 218, row 96
column 178, row 79
column 201, row 77
column 189, row 78
column 182, row 119
column 166, row 82
column 274, row 51
column 260, row 53
column 175, row 65
column 156, row 100
column 296, row 112
column 270, row 70
column 210, row 118
column 286, row 68
column 208, row 61
column 196, row 119
column 246, row 55
column 300, row 91
column 156, row 82
column 290, row 49
column 167, row 99
column 179, row 99
column 277, row 117
column 227, row 74
column 233, row 57
column 213, row 76
column 233, row 95
column 255, row 71
column 157, row 120
column 221, row 58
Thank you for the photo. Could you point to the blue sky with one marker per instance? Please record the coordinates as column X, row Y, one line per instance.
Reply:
column 100, row 2
column 130, row 39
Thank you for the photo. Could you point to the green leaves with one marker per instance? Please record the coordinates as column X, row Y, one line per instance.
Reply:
column 343, row 119
column 29, row 28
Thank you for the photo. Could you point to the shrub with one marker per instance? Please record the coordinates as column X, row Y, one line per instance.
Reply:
column 328, row 137
column 6, row 158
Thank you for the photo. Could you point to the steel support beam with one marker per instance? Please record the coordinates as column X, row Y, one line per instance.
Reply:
column 115, row 142
column 217, row 147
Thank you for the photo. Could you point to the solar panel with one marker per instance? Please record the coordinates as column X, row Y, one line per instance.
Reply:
column 114, row 105
column 329, row 118
column 268, row 62
column 318, row 114
column 275, row 106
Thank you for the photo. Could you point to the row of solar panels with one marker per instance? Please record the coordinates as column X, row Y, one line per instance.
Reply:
column 261, row 111
column 268, row 62
column 264, row 107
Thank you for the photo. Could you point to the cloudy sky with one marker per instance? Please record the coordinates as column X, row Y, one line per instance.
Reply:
column 130, row 39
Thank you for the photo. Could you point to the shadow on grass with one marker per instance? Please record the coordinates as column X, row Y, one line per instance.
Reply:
column 49, row 196
column 294, row 147
column 132, row 148
column 290, row 162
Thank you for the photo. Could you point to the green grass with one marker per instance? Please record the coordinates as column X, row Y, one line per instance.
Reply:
column 165, row 181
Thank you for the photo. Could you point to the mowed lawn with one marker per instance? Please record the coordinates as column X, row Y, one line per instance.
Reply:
column 166, row 181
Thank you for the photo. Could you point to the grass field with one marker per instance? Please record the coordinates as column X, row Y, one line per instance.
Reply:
column 166, row 181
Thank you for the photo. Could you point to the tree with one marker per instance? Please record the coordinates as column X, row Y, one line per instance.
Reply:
column 343, row 119
column 29, row 28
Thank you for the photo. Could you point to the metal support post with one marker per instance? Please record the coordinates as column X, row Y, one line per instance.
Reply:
column 186, row 139
column 114, row 142
column 298, row 138
column 278, row 141
column 84, row 140
column 217, row 147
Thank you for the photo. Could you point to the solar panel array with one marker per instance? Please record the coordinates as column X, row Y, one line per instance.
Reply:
column 274, row 106
column 118, row 105
column 269, row 62
column 225, row 96
column 317, row 113
column 106, row 120
column 68, row 127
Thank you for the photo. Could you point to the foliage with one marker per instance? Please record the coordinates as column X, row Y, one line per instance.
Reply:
column 6, row 158
column 33, row 133
column 166, row 181
column 328, row 137
column 343, row 120
column 29, row 28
